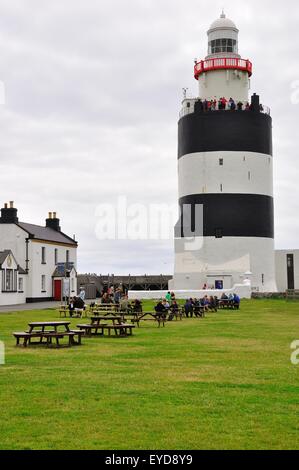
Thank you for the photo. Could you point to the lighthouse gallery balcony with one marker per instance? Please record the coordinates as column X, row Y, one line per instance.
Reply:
column 190, row 103
column 221, row 63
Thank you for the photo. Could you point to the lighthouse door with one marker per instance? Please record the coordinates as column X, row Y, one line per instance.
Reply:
column 290, row 270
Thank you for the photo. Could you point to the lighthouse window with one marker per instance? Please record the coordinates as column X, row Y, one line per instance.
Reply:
column 223, row 45
column 188, row 105
column 221, row 161
column 249, row 175
column 221, row 187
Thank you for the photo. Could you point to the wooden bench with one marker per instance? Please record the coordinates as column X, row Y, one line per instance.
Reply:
column 124, row 329
column 49, row 336
column 87, row 329
column 154, row 316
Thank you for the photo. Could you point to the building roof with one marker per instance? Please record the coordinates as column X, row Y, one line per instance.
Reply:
column 62, row 269
column 4, row 254
column 46, row 234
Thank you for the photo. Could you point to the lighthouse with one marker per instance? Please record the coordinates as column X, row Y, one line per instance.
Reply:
column 225, row 233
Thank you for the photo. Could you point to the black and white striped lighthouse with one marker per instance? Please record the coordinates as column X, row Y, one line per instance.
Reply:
column 225, row 169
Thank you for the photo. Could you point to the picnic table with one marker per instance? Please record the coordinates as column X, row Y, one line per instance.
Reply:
column 96, row 327
column 228, row 303
column 160, row 318
column 106, row 307
column 48, row 330
column 64, row 311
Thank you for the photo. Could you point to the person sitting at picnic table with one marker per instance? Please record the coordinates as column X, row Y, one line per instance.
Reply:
column 231, row 300
column 213, row 304
column 71, row 306
column 237, row 301
column 124, row 304
column 76, row 303
column 79, row 303
column 188, row 307
column 197, row 308
column 174, row 308
column 106, row 299
column 137, row 306
column 206, row 303
column 160, row 309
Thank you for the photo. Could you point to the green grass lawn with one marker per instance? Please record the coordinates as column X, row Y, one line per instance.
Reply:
column 223, row 382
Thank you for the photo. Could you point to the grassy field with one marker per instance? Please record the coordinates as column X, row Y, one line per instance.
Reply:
column 224, row 382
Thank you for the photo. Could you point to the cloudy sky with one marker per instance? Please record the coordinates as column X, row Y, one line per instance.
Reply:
column 93, row 91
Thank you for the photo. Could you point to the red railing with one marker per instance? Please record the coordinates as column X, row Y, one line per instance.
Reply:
column 222, row 63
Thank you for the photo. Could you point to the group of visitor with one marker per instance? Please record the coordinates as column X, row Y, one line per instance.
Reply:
column 231, row 300
column 168, row 305
column 225, row 104
column 77, row 303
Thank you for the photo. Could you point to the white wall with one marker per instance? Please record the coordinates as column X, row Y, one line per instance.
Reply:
column 224, row 83
column 37, row 269
column 201, row 173
column 13, row 238
column 244, row 292
column 208, row 256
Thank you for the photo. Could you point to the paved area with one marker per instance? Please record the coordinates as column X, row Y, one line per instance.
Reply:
column 37, row 306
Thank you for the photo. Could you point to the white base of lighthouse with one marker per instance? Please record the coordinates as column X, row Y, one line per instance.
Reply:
column 208, row 261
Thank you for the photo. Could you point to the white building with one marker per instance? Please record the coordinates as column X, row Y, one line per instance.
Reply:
column 38, row 263
column 225, row 176
column 287, row 269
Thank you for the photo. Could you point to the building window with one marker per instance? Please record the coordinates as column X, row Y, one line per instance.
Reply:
column 67, row 256
column 43, row 255
column 21, row 284
column 73, row 284
column 263, row 279
column 218, row 233
column 9, row 280
column 43, row 283
column 221, row 161
column 188, row 105
column 56, row 256
column 221, row 188
column 249, row 175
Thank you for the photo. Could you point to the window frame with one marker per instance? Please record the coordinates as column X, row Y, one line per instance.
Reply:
column 44, row 255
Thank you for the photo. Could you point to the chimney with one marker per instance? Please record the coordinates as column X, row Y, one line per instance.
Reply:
column 9, row 215
column 52, row 222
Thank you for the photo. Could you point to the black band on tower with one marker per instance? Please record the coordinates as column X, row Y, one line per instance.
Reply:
column 236, row 131
column 229, row 215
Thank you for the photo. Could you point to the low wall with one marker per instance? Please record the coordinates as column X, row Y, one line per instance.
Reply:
column 268, row 295
column 242, row 290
